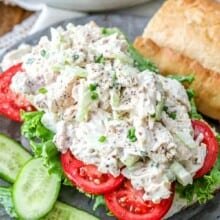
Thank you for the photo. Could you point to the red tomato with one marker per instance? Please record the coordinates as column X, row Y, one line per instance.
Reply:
column 126, row 203
column 87, row 177
column 10, row 102
column 211, row 144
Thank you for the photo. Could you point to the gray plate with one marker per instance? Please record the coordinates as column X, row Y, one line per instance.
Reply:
column 132, row 26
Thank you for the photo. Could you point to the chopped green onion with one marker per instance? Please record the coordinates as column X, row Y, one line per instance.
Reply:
column 165, row 108
column 100, row 59
column 92, row 87
column 170, row 114
column 94, row 95
column 102, row 139
column 131, row 135
column 42, row 90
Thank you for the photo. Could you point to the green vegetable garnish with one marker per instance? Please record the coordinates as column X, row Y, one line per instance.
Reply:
column 183, row 79
column 100, row 59
column 110, row 31
column 202, row 189
column 102, row 139
column 140, row 62
column 170, row 114
column 131, row 135
column 193, row 113
column 159, row 109
column 42, row 90
column 218, row 137
column 94, row 95
column 99, row 201
column 67, row 182
column 92, row 87
column 41, row 141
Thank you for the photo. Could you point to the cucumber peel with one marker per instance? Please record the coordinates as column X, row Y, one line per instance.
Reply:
column 66, row 212
column 12, row 158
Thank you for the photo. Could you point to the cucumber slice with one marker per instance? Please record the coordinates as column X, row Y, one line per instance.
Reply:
column 66, row 212
column 35, row 190
column 12, row 158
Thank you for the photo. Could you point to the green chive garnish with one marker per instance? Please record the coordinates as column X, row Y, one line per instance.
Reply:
column 131, row 135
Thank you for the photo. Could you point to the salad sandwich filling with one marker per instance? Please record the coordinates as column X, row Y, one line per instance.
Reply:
column 119, row 126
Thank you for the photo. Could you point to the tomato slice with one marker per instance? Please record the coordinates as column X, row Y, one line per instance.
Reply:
column 87, row 177
column 126, row 203
column 10, row 102
column 211, row 144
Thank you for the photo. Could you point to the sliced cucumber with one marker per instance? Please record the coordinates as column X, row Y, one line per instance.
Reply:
column 6, row 201
column 66, row 212
column 12, row 158
column 35, row 191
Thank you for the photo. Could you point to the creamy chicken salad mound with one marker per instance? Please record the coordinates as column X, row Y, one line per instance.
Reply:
column 110, row 113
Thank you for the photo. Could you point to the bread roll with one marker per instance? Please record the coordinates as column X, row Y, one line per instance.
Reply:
column 183, row 38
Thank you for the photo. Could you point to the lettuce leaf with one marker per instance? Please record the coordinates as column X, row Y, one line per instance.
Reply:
column 98, row 201
column 6, row 201
column 41, row 141
column 140, row 62
column 32, row 127
column 203, row 188
column 183, row 79
column 193, row 113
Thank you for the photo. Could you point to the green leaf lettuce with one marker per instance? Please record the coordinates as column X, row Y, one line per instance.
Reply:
column 41, row 140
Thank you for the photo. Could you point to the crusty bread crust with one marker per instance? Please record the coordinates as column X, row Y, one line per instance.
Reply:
column 171, row 62
column 190, row 27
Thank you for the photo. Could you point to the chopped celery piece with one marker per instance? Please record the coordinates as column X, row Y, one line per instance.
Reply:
column 83, row 105
column 129, row 160
column 182, row 175
column 115, row 98
column 77, row 71
column 159, row 110
column 186, row 139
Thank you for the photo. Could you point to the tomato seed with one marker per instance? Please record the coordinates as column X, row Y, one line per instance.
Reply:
column 122, row 199
column 131, row 208
column 97, row 181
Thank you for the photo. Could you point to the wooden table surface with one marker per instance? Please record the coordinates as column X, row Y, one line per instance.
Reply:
column 10, row 16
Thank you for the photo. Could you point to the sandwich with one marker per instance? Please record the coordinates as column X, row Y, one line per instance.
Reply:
column 183, row 38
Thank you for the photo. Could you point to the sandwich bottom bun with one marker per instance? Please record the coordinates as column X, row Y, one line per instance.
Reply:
column 170, row 62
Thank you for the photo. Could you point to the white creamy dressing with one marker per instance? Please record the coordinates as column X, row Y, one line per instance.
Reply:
column 107, row 112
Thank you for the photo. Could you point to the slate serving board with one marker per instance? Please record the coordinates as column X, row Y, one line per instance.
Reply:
column 132, row 26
